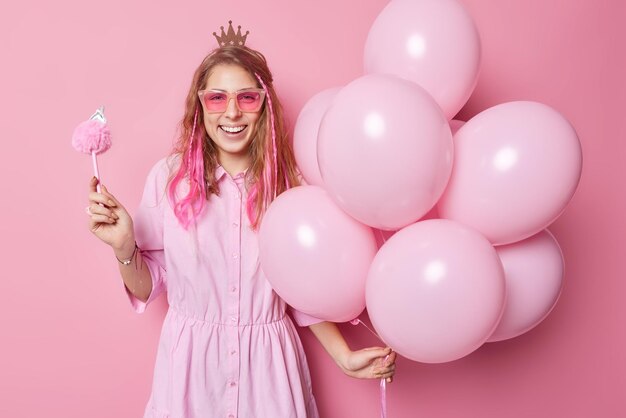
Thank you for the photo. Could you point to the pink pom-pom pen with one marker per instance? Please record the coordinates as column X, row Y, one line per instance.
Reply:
column 93, row 137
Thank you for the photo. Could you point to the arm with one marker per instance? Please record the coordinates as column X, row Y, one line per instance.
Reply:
column 368, row 363
column 111, row 223
column 136, row 275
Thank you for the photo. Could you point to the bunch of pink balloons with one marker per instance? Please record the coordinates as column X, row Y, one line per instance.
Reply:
column 472, row 260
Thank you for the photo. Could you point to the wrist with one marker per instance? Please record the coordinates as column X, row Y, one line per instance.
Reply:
column 343, row 359
column 125, row 250
column 130, row 259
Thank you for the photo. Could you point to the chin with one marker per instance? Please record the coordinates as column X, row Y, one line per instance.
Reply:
column 234, row 149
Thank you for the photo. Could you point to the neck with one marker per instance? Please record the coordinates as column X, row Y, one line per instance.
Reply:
column 234, row 164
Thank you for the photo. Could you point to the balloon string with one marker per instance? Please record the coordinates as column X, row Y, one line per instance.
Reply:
column 383, row 382
column 357, row 321
column 383, row 398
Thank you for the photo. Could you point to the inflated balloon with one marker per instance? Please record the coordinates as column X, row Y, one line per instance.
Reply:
column 433, row 43
column 384, row 151
column 516, row 167
column 533, row 271
column 305, row 135
column 435, row 291
column 315, row 256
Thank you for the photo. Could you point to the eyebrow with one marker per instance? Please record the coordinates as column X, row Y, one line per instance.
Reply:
column 226, row 91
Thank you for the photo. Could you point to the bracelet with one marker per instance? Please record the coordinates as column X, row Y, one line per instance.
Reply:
column 127, row 262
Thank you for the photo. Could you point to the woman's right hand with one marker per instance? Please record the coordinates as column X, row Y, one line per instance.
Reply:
column 109, row 220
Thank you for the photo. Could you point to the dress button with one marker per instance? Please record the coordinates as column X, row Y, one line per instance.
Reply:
column 233, row 318
column 235, row 224
column 233, row 289
column 233, row 384
column 235, row 256
column 231, row 416
column 233, row 352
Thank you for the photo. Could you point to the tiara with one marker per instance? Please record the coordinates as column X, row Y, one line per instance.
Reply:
column 231, row 38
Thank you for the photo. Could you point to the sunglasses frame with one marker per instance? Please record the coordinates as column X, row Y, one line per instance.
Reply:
column 229, row 96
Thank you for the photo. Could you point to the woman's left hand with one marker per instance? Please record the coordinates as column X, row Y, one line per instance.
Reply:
column 370, row 363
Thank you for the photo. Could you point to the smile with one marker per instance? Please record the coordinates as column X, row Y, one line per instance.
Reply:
column 233, row 129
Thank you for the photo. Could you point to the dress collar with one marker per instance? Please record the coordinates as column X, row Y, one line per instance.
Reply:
column 220, row 172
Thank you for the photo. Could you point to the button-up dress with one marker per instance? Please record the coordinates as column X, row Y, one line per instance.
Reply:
column 227, row 348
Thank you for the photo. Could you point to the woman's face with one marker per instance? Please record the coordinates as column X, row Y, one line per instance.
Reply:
column 233, row 130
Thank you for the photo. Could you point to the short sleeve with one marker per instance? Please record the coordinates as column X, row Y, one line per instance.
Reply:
column 148, row 225
column 302, row 319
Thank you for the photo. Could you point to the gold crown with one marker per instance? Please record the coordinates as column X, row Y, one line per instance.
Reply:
column 231, row 38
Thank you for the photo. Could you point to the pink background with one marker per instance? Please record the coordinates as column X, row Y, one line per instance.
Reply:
column 71, row 345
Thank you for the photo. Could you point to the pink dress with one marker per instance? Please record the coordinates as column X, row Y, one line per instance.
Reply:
column 227, row 348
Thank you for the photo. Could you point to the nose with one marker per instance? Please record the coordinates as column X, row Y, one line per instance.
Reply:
column 232, row 110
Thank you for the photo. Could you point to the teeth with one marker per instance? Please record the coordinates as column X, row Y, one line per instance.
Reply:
column 233, row 129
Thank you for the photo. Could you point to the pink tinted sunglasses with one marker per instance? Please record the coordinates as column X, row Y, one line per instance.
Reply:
column 216, row 101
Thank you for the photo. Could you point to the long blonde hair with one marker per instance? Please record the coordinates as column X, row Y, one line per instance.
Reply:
column 273, row 169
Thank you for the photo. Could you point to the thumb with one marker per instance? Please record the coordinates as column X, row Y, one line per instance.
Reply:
column 375, row 352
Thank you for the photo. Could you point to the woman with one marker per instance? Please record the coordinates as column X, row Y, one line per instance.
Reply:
column 227, row 349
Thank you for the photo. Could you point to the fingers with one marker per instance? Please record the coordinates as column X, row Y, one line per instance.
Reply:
column 388, row 367
column 99, row 219
column 374, row 352
column 374, row 348
column 380, row 366
column 100, row 205
column 107, row 200
column 106, row 192
column 384, row 371
column 104, row 197
column 99, row 213
column 379, row 357
column 387, row 375
column 390, row 359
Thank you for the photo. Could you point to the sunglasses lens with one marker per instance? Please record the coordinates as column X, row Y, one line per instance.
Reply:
column 215, row 101
column 249, row 101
